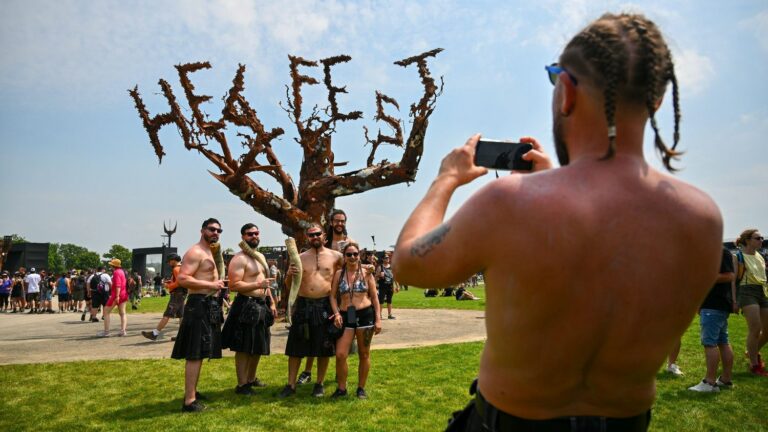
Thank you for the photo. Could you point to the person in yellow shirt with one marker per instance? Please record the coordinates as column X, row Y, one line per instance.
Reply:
column 753, row 296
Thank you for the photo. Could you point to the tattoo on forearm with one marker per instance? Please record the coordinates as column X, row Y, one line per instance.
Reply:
column 428, row 242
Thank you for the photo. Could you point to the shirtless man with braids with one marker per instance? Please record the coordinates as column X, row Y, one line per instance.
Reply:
column 593, row 270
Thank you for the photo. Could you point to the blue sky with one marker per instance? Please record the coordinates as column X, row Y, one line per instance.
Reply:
column 77, row 165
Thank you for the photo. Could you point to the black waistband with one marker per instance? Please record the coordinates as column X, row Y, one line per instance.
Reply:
column 497, row 420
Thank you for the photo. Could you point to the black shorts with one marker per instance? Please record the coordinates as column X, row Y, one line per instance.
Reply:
column 33, row 296
column 385, row 294
column 308, row 335
column 175, row 308
column 366, row 317
column 247, row 327
column 78, row 294
column 63, row 297
column 99, row 299
column 199, row 335
column 480, row 415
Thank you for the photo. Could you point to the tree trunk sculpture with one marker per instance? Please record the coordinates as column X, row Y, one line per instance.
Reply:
column 319, row 185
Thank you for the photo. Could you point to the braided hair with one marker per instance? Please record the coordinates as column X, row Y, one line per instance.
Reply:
column 626, row 56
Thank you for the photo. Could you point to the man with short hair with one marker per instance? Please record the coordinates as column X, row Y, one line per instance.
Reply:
column 200, row 330
column 246, row 331
column 335, row 238
column 308, row 335
column 175, row 308
column 32, row 288
column 99, row 285
column 606, row 258
column 720, row 302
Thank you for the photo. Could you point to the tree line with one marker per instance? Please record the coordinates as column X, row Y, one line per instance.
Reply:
column 68, row 256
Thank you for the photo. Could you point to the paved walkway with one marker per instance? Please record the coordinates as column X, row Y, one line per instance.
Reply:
column 46, row 338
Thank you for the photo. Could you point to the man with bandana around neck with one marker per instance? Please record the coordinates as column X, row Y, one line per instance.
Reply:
column 199, row 333
column 593, row 270
column 246, row 331
column 308, row 335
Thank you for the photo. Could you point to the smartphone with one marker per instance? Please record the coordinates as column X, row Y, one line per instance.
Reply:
column 502, row 155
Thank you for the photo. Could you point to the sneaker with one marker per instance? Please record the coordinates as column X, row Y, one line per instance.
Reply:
column 724, row 385
column 257, row 383
column 705, row 387
column 287, row 391
column 674, row 370
column 94, row 320
column 244, row 389
column 339, row 393
column 304, row 378
column 121, row 333
column 195, row 406
column 758, row 370
column 361, row 394
column 318, row 390
column 103, row 334
column 391, row 317
column 149, row 335
column 82, row 317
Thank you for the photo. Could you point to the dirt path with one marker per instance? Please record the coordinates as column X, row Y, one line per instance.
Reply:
column 63, row 337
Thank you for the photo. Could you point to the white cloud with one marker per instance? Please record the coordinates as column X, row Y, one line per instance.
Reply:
column 694, row 71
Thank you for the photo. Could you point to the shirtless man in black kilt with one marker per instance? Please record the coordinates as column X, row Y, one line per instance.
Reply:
column 246, row 331
column 308, row 335
column 200, row 331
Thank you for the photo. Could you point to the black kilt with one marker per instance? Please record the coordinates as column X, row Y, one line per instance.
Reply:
column 247, row 327
column 308, row 335
column 199, row 335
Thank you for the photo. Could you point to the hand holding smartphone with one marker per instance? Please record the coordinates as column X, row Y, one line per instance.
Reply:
column 502, row 155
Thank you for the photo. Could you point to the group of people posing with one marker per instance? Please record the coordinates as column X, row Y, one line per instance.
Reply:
column 337, row 302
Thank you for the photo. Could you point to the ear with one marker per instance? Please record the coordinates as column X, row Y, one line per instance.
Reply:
column 568, row 101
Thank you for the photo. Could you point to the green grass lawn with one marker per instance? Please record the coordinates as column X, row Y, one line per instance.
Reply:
column 413, row 298
column 409, row 389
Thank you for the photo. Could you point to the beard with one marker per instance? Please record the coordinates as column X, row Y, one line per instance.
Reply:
column 561, row 147
column 253, row 243
column 210, row 238
column 338, row 229
column 316, row 243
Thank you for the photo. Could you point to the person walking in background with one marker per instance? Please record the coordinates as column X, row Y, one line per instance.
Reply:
column 720, row 302
column 5, row 291
column 63, row 290
column 175, row 308
column 753, row 296
column 118, row 296
column 386, row 284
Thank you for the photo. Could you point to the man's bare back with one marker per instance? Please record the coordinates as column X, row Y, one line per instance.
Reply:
column 604, row 320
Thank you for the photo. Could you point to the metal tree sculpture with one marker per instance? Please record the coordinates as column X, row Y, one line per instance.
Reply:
column 294, row 209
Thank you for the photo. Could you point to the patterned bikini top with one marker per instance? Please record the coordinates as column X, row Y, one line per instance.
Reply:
column 358, row 285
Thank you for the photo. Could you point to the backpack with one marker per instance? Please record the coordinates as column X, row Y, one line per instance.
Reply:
column 97, row 285
column 740, row 266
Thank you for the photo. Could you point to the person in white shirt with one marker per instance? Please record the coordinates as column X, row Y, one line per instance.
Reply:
column 32, row 288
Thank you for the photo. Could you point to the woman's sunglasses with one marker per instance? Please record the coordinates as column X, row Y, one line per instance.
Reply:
column 352, row 254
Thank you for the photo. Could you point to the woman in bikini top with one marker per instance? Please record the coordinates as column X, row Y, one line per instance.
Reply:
column 356, row 309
